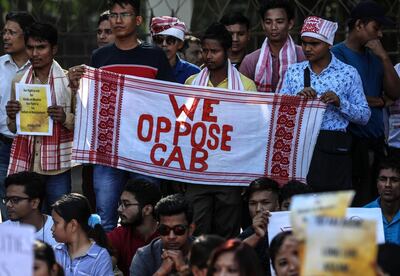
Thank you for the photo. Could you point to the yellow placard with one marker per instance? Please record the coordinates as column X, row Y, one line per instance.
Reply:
column 330, row 204
column 339, row 247
column 33, row 118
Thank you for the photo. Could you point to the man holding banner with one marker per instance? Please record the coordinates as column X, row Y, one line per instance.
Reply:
column 339, row 86
column 130, row 56
column 217, row 209
column 49, row 156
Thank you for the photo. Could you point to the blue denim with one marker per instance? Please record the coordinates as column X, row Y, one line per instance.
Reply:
column 108, row 184
column 5, row 150
column 56, row 186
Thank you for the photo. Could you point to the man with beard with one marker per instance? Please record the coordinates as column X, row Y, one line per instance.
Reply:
column 168, row 33
column 138, row 226
column 167, row 255
column 388, row 184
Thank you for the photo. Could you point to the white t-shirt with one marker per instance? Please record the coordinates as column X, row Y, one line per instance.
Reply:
column 44, row 234
column 394, row 120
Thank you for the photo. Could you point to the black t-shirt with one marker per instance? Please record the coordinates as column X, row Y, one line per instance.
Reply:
column 145, row 60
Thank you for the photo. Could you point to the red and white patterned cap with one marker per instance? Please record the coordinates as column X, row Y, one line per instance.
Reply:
column 319, row 28
column 167, row 25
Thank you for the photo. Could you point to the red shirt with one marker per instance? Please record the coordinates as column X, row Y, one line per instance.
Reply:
column 125, row 241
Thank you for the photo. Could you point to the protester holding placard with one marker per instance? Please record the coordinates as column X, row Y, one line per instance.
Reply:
column 83, row 247
column 50, row 156
column 388, row 184
column 25, row 192
column 217, row 208
column 339, row 86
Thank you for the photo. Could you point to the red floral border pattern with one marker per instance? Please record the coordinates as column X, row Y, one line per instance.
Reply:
column 282, row 137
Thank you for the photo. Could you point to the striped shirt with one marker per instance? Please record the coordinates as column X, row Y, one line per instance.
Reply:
column 96, row 261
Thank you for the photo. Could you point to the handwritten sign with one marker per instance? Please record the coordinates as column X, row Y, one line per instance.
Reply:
column 349, row 248
column 33, row 118
column 330, row 204
column 16, row 248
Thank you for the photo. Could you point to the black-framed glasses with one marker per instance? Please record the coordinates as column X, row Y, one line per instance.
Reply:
column 159, row 39
column 179, row 229
column 122, row 15
column 14, row 199
column 125, row 205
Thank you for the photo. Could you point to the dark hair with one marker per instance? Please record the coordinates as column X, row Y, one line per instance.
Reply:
column 293, row 187
column 174, row 205
column 262, row 184
column 144, row 191
column 276, row 4
column 351, row 23
column 388, row 258
column 202, row 248
column 235, row 18
column 42, row 32
column 390, row 163
column 244, row 255
column 103, row 17
column 189, row 39
column 134, row 3
column 44, row 252
column 34, row 185
column 24, row 19
column 218, row 32
column 76, row 206
column 276, row 244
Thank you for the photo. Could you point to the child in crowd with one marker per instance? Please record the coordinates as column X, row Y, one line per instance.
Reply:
column 84, row 247
column 45, row 263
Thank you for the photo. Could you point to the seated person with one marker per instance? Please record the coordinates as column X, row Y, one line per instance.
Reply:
column 138, row 225
column 284, row 254
column 388, row 184
column 202, row 248
column 25, row 192
column 263, row 198
column 168, row 254
column 293, row 187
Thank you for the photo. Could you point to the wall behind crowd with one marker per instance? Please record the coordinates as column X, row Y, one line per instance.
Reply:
column 76, row 20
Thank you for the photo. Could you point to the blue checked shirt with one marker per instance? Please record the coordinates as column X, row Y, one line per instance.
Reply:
column 339, row 78
column 96, row 261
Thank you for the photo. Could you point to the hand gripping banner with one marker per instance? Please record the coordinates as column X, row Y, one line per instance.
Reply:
column 193, row 134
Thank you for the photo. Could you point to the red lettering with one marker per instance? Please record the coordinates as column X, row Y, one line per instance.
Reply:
column 178, row 110
column 207, row 110
column 203, row 127
column 179, row 132
column 201, row 160
column 176, row 156
column 153, row 159
column 149, row 119
column 163, row 125
column 226, row 137
column 213, row 136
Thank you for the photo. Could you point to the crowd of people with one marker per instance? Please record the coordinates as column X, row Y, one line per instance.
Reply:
column 142, row 225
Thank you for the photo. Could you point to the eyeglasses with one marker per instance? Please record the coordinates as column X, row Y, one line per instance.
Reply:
column 125, row 205
column 159, row 39
column 14, row 199
column 10, row 32
column 179, row 229
column 122, row 15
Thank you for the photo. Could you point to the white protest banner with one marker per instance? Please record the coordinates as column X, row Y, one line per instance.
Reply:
column 16, row 250
column 193, row 134
column 280, row 221
column 348, row 247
